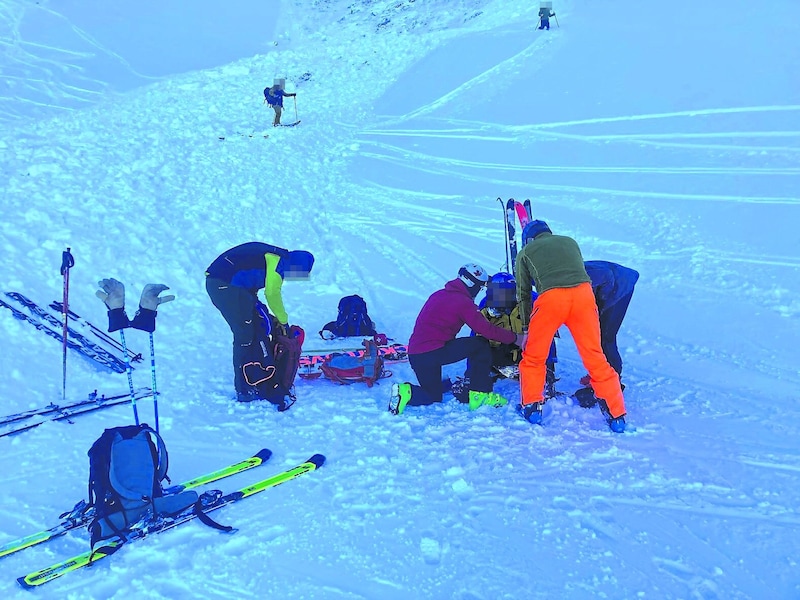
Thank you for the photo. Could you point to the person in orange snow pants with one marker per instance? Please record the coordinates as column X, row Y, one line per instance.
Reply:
column 574, row 307
column 554, row 264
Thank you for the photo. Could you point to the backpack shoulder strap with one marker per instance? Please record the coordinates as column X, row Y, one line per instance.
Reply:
column 329, row 328
column 163, row 457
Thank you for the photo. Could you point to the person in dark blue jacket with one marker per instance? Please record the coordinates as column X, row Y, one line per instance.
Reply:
column 232, row 282
column 613, row 288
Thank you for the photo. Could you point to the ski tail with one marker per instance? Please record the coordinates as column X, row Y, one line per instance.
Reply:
column 57, row 570
column 82, row 514
column 522, row 214
column 512, row 232
column 528, row 209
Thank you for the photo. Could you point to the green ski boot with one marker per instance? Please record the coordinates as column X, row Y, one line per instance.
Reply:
column 401, row 394
column 478, row 399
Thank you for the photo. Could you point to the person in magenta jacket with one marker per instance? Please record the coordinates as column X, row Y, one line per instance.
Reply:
column 433, row 344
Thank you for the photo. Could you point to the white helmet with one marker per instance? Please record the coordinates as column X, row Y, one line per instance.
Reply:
column 474, row 276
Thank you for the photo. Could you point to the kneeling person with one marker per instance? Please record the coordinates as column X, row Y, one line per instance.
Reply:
column 433, row 344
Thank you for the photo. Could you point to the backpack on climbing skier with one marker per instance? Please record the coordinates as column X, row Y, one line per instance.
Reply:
column 352, row 320
column 346, row 368
column 126, row 467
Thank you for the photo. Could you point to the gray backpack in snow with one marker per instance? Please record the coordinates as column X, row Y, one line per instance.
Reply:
column 126, row 468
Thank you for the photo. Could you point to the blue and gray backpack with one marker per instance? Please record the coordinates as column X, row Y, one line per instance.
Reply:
column 126, row 467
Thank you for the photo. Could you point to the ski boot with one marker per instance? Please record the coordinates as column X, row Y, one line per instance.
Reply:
column 478, row 399
column 531, row 412
column 616, row 424
column 401, row 394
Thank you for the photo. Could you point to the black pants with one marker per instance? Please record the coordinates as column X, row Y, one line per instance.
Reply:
column 428, row 368
column 610, row 322
column 253, row 364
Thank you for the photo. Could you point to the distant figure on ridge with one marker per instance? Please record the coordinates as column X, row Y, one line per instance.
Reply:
column 545, row 12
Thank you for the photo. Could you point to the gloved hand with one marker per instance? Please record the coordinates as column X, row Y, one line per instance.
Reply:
column 150, row 299
column 522, row 339
column 113, row 293
column 281, row 329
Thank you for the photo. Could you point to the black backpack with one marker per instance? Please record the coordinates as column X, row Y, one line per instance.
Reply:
column 126, row 467
column 352, row 319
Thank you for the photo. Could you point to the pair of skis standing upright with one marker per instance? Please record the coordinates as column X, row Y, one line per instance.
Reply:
column 514, row 210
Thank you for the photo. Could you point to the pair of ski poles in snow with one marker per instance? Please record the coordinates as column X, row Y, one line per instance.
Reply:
column 67, row 262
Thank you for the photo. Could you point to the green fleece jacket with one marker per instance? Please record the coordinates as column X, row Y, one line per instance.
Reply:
column 549, row 261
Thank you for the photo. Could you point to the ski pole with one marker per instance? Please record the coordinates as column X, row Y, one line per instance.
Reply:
column 505, row 228
column 129, row 371
column 67, row 262
column 153, row 374
column 295, row 108
column 556, row 18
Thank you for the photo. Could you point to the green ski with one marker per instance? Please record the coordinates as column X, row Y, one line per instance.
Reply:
column 213, row 502
column 81, row 515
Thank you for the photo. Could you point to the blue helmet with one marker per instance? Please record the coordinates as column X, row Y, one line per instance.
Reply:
column 501, row 292
column 533, row 229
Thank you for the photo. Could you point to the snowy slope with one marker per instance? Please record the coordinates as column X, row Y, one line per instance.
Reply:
column 663, row 139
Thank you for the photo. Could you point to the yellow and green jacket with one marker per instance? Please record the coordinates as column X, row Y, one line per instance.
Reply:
column 253, row 266
column 512, row 322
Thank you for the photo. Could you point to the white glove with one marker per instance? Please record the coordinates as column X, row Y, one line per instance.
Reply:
column 113, row 293
column 150, row 299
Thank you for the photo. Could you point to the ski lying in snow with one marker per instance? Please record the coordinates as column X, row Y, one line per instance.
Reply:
column 287, row 124
column 58, row 308
column 210, row 501
column 82, row 514
column 66, row 413
column 92, row 399
column 310, row 363
column 48, row 324
column 390, row 350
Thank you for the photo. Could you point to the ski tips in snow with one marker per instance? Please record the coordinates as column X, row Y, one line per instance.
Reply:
column 317, row 460
column 264, row 454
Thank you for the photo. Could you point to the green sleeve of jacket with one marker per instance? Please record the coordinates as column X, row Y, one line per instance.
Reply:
column 524, row 288
column 272, row 289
